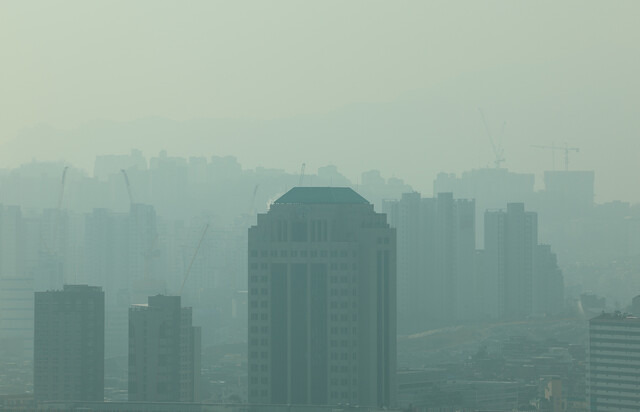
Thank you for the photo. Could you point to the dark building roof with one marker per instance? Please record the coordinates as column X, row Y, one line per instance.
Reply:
column 616, row 317
column 322, row 195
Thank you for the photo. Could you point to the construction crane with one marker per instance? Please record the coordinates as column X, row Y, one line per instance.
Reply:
column 148, row 255
column 498, row 151
column 302, row 174
column 64, row 177
column 126, row 180
column 566, row 150
column 186, row 275
column 253, row 199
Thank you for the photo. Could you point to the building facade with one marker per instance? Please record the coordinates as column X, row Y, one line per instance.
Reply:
column 164, row 352
column 322, row 301
column 510, row 240
column 69, row 344
column 613, row 368
column 436, row 248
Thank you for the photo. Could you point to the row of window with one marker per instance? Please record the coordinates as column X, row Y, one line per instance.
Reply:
column 343, row 330
column 303, row 253
column 332, row 266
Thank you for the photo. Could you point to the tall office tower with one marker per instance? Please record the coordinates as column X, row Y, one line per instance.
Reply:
column 322, row 301
column 69, row 344
column 436, row 248
column 510, row 240
column 164, row 352
column 613, row 365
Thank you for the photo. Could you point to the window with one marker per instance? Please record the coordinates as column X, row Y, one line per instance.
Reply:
column 299, row 231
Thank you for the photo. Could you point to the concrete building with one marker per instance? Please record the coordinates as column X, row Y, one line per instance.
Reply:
column 491, row 188
column 436, row 248
column 16, row 318
column 511, row 238
column 548, row 283
column 613, row 367
column 164, row 352
column 69, row 344
column 10, row 241
column 322, row 301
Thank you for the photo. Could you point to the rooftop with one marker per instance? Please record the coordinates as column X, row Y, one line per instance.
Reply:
column 322, row 195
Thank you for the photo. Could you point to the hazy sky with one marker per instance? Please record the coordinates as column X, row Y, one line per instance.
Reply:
column 405, row 78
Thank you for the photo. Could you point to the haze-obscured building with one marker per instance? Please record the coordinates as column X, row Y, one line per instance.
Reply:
column 517, row 277
column 491, row 188
column 436, row 248
column 164, row 352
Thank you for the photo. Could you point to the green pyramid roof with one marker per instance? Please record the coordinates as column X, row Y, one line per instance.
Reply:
column 322, row 195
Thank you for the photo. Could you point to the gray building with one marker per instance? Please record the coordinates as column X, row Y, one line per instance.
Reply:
column 613, row 368
column 517, row 277
column 164, row 352
column 491, row 188
column 16, row 317
column 436, row 248
column 511, row 238
column 69, row 344
column 322, row 301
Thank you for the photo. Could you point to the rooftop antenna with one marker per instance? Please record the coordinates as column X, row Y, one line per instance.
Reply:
column 302, row 174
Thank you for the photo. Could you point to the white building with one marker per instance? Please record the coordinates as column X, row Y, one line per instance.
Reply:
column 613, row 370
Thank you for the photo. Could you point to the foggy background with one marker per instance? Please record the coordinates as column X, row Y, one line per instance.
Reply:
column 140, row 141
column 387, row 85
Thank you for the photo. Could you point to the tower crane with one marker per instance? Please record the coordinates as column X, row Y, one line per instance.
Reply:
column 253, row 198
column 566, row 150
column 186, row 275
column 64, row 177
column 126, row 180
column 498, row 151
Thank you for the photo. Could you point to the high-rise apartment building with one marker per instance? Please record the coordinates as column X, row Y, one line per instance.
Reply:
column 510, row 240
column 69, row 344
column 613, row 367
column 322, row 301
column 548, row 283
column 436, row 248
column 164, row 352
column 491, row 188
column 16, row 317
